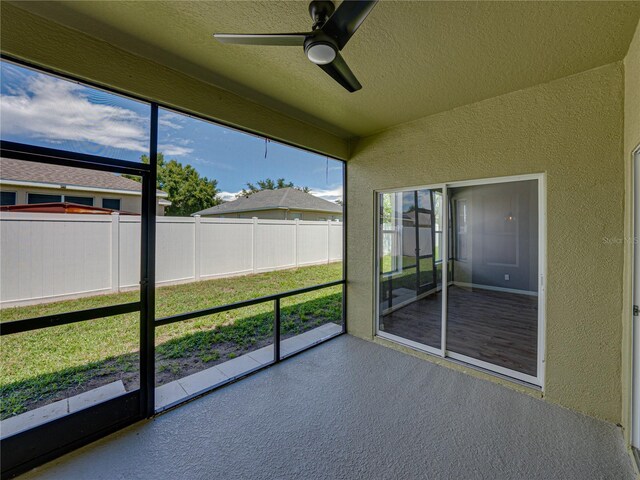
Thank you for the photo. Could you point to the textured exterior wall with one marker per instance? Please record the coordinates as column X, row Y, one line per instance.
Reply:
column 44, row 43
column 631, row 141
column 571, row 129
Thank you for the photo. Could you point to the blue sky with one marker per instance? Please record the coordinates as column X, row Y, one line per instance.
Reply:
column 43, row 110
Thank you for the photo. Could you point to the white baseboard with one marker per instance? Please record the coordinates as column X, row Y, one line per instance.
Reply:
column 495, row 289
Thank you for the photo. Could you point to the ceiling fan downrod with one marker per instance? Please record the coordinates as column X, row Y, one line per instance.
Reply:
column 320, row 11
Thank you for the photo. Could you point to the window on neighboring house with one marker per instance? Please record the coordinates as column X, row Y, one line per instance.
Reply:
column 296, row 215
column 7, row 198
column 42, row 198
column 80, row 200
column 112, row 203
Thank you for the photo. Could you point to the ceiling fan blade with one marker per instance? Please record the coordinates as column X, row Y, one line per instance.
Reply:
column 347, row 19
column 279, row 39
column 341, row 73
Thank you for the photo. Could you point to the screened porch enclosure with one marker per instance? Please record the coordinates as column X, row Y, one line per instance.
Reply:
column 111, row 319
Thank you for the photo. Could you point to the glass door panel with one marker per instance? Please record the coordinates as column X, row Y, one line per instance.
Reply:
column 410, row 292
column 492, row 294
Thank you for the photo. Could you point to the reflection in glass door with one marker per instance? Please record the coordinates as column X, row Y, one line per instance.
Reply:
column 409, row 282
column 488, row 298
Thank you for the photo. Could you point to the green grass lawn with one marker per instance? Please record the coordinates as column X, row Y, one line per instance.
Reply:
column 45, row 365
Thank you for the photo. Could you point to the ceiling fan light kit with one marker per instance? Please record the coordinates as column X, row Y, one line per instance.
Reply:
column 320, row 51
column 332, row 28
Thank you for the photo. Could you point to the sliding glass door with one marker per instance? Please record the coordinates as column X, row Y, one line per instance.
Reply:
column 484, row 308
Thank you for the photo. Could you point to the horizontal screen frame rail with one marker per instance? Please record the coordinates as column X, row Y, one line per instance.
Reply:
column 34, row 153
column 57, row 319
column 245, row 303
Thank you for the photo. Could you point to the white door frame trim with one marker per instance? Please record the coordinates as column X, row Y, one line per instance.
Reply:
column 635, row 321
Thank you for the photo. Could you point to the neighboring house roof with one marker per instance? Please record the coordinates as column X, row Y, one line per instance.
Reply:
column 24, row 173
column 280, row 199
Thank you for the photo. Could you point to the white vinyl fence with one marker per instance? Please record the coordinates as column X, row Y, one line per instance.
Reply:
column 47, row 257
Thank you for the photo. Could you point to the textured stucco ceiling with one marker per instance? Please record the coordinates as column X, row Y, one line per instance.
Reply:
column 413, row 58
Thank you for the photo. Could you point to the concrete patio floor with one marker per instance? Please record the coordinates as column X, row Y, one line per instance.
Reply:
column 353, row 409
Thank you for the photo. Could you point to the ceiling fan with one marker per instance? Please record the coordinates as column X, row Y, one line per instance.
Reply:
column 332, row 28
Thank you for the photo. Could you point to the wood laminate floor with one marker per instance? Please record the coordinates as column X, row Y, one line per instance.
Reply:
column 496, row 327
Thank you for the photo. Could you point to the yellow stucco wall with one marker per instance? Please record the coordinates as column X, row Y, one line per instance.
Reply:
column 47, row 44
column 631, row 141
column 571, row 129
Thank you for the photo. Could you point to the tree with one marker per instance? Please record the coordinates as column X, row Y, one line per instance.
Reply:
column 387, row 210
column 188, row 191
column 339, row 202
column 269, row 184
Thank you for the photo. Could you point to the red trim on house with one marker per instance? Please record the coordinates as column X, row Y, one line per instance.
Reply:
column 61, row 207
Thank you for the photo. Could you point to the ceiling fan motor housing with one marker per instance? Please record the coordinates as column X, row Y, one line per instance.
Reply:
column 320, row 49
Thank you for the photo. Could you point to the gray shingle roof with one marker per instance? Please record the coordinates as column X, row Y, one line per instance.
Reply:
column 23, row 171
column 282, row 198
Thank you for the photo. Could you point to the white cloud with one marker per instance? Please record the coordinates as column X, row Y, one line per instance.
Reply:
column 328, row 194
column 170, row 120
column 174, row 150
column 228, row 196
column 57, row 111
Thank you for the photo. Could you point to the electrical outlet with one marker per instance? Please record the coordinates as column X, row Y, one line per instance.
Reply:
column 506, row 276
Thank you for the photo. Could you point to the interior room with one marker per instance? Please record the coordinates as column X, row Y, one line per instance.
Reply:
column 429, row 265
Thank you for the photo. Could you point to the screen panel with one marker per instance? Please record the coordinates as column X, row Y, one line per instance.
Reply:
column 48, row 111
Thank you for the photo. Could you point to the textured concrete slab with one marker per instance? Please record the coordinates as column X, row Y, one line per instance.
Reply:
column 34, row 417
column 58, row 409
column 169, row 394
column 95, row 396
column 263, row 355
column 327, row 330
column 193, row 385
column 202, row 381
column 288, row 347
column 239, row 366
column 330, row 328
column 351, row 409
column 308, row 338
